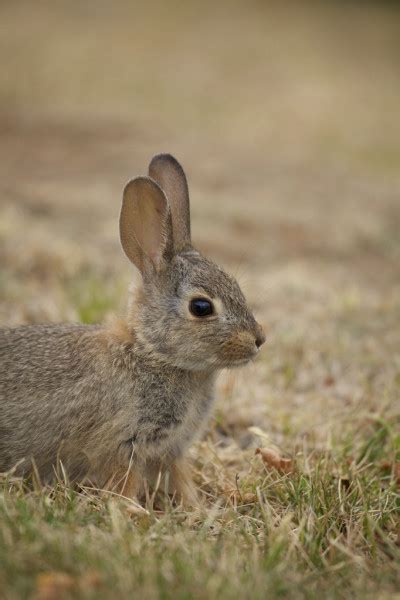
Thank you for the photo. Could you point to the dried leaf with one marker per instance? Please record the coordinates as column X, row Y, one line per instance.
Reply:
column 273, row 460
column 53, row 585
column 89, row 580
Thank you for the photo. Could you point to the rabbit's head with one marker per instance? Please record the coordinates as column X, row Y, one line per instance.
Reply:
column 188, row 311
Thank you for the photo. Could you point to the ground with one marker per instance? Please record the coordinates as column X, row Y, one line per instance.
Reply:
column 286, row 121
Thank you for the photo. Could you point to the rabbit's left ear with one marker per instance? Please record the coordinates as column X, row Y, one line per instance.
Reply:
column 171, row 178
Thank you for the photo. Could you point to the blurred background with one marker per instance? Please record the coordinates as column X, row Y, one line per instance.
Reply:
column 286, row 118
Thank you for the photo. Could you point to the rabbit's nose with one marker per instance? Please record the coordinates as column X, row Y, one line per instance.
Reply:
column 260, row 337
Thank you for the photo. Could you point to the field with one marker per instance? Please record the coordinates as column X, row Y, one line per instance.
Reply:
column 286, row 119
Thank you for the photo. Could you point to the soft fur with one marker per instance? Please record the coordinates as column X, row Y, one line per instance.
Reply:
column 118, row 405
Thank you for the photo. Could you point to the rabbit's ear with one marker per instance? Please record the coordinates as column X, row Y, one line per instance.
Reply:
column 145, row 224
column 170, row 176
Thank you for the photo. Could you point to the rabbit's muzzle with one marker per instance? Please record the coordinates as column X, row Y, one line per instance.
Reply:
column 241, row 347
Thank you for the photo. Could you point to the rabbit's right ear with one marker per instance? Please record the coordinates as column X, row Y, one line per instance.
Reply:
column 145, row 224
column 170, row 176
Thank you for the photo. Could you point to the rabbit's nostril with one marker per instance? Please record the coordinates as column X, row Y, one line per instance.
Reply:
column 260, row 339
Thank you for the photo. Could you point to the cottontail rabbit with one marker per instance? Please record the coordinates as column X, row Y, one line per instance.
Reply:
column 118, row 404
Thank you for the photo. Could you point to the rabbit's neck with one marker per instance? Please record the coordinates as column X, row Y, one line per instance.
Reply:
column 169, row 404
column 172, row 409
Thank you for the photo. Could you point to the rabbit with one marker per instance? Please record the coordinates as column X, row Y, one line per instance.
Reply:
column 119, row 404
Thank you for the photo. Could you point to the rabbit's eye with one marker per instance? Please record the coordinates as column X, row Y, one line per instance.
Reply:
column 200, row 307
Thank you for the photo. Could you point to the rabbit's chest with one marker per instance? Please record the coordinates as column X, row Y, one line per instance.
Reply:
column 171, row 416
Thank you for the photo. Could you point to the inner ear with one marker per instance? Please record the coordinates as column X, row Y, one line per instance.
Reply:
column 145, row 224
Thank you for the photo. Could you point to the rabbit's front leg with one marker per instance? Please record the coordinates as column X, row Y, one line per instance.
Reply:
column 182, row 485
column 124, row 482
column 172, row 477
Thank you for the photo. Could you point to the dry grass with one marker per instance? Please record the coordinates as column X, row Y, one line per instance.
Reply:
column 286, row 121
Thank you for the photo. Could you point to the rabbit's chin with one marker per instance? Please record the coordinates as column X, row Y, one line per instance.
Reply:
column 211, row 363
column 235, row 363
column 240, row 362
column 232, row 362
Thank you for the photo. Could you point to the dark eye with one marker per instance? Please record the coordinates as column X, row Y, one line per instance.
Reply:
column 200, row 307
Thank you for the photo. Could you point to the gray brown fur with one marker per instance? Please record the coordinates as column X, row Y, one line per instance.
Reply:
column 123, row 402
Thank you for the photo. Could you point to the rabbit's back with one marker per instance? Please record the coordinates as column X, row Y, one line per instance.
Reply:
column 41, row 356
column 51, row 383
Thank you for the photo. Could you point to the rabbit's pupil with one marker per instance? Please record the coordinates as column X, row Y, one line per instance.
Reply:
column 200, row 307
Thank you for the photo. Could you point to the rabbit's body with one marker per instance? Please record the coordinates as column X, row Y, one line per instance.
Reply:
column 121, row 404
column 90, row 396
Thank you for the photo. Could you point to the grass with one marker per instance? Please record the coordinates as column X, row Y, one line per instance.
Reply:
column 91, row 299
column 329, row 528
column 286, row 123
